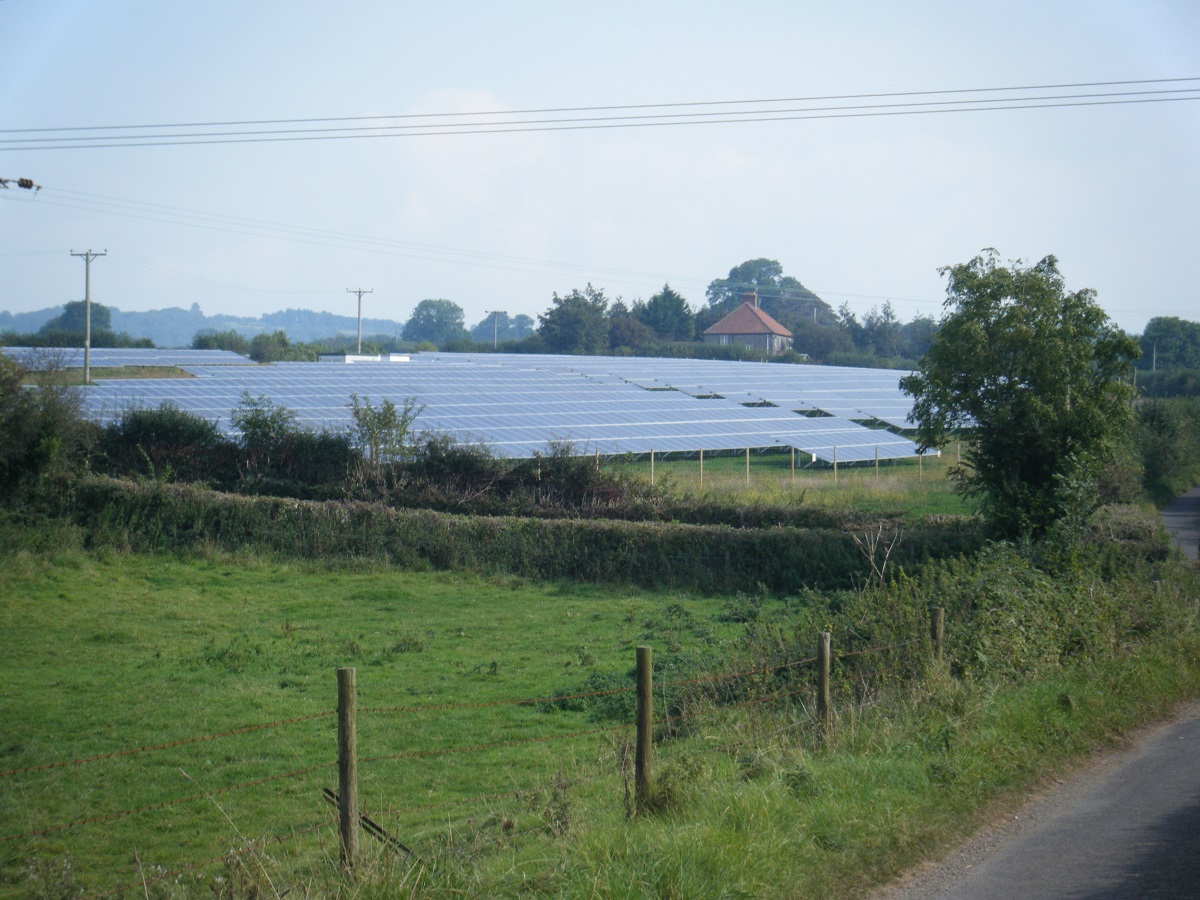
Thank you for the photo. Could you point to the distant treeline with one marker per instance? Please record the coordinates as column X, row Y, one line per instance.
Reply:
column 588, row 321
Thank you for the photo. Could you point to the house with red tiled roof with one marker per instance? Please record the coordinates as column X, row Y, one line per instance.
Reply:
column 749, row 326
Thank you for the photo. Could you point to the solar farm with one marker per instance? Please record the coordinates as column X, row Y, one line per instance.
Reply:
column 519, row 405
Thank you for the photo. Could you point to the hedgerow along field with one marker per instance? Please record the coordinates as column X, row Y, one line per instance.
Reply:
column 109, row 652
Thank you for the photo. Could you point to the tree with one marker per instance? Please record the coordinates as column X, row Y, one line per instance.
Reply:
column 264, row 427
column 781, row 296
column 232, row 340
column 882, row 330
column 499, row 326
column 270, row 347
column 74, row 318
column 669, row 315
column 576, row 323
column 1036, row 379
column 42, row 426
column 436, row 321
column 626, row 331
column 916, row 336
column 1171, row 343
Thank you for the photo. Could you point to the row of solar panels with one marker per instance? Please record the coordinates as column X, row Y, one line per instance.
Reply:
column 519, row 404
column 113, row 357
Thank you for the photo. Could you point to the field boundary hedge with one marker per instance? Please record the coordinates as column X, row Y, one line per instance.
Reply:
column 720, row 558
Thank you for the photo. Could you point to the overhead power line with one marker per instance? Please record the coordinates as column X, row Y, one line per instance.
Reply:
column 905, row 103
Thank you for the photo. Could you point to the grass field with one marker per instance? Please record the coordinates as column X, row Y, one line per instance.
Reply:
column 905, row 488
column 105, row 653
column 109, row 653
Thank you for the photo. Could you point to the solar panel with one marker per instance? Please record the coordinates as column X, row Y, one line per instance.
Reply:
column 519, row 404
column 112, row 357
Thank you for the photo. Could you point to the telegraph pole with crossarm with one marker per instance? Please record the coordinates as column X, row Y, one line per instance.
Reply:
column 87, row 310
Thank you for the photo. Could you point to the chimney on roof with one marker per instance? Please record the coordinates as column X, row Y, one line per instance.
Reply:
column 751, row 297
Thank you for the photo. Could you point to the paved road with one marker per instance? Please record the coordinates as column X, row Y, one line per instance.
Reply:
column 1127, row 828
column 1182, row 521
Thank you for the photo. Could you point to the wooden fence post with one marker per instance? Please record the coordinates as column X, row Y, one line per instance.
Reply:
column 835, row 465
column 701, row 468
column 652, row 467
column 645, row 726
column 824, row 706
column 747, row 467
column 937, row 630
column 347, row 768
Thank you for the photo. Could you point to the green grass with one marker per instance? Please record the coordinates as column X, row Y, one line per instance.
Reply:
column 898, row 488
column 104, row 652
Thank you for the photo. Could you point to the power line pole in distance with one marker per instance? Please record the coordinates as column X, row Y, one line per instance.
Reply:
column 495, row 314
column 87, row 310
column 360, row 292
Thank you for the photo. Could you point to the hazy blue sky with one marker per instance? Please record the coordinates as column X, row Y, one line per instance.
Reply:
column 860, row 209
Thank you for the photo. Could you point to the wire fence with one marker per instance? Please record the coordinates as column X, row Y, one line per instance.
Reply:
column 764, row 685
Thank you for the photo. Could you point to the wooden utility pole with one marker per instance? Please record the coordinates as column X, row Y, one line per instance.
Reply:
column 87, row 310
column 360, row 292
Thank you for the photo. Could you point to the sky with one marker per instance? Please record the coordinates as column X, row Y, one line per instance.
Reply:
column 862, row 208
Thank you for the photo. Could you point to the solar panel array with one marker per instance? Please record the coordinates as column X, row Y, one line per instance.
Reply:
column 519, row 404
column 111, row 357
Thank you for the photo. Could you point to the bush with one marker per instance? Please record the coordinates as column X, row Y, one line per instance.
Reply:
column 41, row 428
column 167, row 443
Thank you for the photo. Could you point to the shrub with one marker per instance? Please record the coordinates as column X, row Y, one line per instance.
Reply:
column 167, row 443
column 41, row 428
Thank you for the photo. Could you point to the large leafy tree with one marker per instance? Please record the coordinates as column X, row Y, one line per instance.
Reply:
column 781, row 296
column 436, row 321
column 1036, row 379
column 74, row 318
column 500, row 326
column 576, row 323
column 1171, row 343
